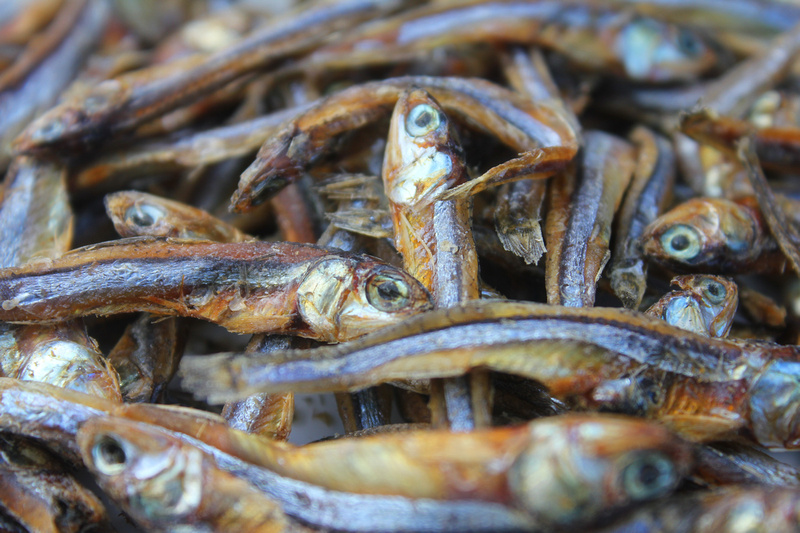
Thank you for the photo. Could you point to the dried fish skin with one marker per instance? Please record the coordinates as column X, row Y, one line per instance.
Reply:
column 247, row 287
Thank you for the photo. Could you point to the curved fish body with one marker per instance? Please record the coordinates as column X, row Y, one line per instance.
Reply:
column 640, row 48
column 452, row 496
column 246, row 287
column 777, row 147
column 704, row 305
column 538, row 469
column 42, row 86
column 121, row 104
column 712, row 235
column 540, row 132
column 165, row 485
column 165, row 155
column 146, row 357
column 592, row 358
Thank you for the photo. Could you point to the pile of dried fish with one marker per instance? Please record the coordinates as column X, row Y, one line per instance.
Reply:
column 510, row 236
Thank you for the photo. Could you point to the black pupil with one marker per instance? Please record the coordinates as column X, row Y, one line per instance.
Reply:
column 680, row 242
column 140, row 218
column 388, row 291
column 687, row 43
column 716, row 290
column 112, row 452
column 649, row 475
column 423, row 119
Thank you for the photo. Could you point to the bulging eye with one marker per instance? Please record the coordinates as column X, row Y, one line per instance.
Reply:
column 689, row 44
column 422, row 119
column 387, row 292
column 143, row 215
column 648, row 476
column 109, row 456
column 681, row 242
column 714, row 291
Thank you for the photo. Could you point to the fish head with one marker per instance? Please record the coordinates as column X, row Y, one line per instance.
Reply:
column 142, row 467
column 655, row 51
column 716, row 297
column 593, row 464
column 79, row 121
column 342, row 298
column 422, row 158
column 703, row 234
column 134, row 214
column 775, row 406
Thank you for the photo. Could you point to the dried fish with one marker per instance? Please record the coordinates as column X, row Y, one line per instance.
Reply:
column 640, row 48
column 703, row 388
column 165, row 485
column 515, row 121
column 713, row 235
column 704, row 305
column 581, row 211
column 248, row 287
column 647, row 194
column 119, row 105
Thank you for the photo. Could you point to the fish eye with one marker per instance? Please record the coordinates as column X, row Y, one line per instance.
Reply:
column 143, row 215
column 387, row 292
column 688, row 43
column 94, row 103
column 681, row 242
column 649, row 475
column 422, row 119
column 49, row 131
column 109, row 456
column 714, row 291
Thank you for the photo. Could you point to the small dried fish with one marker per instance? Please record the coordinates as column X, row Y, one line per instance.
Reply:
column 713, row 235
column 646, row 197
column 119, row 105
column 703, row 388
column 728, row 510
column 166, row 485
column 592, row 37
column 704, row 305
column 579, row 220
column 515, row 121
column 138, row 214
column 247, row 287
